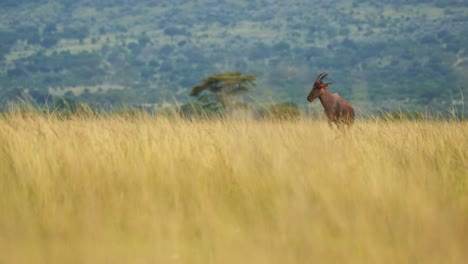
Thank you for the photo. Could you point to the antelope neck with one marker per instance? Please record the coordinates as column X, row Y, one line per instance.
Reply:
column 327, row 99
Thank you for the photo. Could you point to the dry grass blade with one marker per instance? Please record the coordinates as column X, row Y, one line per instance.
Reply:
column 143, row 189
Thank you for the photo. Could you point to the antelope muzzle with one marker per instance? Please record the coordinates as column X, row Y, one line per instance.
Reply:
column 311, row 97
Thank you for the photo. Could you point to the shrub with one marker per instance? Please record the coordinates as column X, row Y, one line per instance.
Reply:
column 281, row 111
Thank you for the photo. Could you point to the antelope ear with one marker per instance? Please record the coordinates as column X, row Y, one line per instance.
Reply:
column 328, row 84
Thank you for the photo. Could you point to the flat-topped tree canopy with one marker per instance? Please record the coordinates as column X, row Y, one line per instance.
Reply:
column 229, row 83
column 223, row 88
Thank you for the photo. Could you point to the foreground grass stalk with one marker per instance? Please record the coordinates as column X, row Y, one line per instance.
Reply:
column 142, row 189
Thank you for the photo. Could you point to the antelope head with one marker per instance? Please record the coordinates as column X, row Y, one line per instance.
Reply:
column 319, row 87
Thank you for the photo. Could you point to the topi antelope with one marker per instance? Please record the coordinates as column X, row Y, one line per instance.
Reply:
column 337, row 109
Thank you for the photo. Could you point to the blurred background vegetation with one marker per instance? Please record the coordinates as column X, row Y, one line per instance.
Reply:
column 383, row 55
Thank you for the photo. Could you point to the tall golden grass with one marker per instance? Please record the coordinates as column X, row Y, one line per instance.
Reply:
column 143, row 189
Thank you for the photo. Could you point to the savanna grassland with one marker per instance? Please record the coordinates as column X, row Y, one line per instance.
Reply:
column 144, row 189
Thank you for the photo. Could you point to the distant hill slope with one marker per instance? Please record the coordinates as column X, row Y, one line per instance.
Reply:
column 385, row 54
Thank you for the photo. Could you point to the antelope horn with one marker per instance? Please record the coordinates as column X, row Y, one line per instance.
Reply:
column 323, row 76
column 318, row 77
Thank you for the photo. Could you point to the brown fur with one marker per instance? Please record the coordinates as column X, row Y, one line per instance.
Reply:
column 338, row 110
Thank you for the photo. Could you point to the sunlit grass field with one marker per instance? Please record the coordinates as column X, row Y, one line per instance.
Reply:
column 143, row 189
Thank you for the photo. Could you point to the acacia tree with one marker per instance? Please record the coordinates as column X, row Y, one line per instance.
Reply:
column 220, row 89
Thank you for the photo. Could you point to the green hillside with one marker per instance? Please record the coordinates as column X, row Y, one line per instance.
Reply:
column 380, row 54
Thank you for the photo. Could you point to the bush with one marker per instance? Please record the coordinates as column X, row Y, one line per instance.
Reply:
column 281, row 111
column 196, row 110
